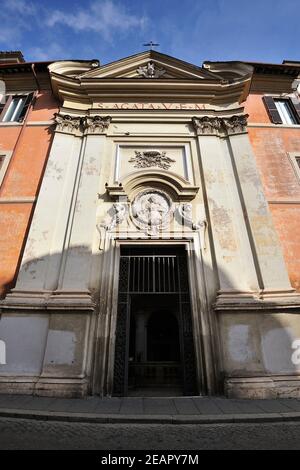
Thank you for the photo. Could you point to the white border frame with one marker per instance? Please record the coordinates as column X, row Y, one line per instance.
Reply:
column 186, row 153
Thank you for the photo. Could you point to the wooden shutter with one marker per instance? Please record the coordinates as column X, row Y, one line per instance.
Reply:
column 296, row 107
column 25, row 107
column 272, row 110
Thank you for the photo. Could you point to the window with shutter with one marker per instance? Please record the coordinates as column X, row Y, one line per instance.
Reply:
column 283, row 110
column 286, row 111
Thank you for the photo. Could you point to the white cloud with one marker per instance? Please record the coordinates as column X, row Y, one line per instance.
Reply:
column 52, row 52
column 19, row 6
column 104, row 17
column 16, row 18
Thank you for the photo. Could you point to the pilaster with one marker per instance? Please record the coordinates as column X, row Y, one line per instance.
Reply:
column 235, row 266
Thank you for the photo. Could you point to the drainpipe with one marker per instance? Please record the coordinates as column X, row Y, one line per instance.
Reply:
column 35, row 77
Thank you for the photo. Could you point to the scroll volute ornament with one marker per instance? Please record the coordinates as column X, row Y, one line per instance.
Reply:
column 211, row 125
column 67, row 123
column 236, row 124
column 207, row 125
column 97, row 124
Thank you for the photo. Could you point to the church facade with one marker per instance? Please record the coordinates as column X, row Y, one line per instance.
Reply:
column 153, row 263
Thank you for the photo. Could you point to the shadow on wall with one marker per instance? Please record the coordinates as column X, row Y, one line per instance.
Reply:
column 245, row 343
column 10, row 283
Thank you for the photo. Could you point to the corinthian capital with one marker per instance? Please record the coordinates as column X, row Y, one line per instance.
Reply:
column 236, row 124
column 66, row 123
column 207, row 125
column 97, row 124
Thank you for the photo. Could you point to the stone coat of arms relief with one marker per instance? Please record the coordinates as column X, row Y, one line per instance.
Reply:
column 152, row 211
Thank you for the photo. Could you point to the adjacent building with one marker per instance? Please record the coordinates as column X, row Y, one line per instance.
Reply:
column 26, row 131
column 163, row 254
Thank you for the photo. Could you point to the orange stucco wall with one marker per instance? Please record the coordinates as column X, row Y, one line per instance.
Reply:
column 271, row 146
column 30, row 147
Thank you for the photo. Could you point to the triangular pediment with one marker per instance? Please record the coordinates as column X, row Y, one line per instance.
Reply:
column 150, row 65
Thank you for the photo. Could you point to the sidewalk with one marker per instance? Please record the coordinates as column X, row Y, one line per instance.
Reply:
column 177, row 410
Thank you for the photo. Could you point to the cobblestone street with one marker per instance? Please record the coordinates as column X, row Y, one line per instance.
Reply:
column 31, row 434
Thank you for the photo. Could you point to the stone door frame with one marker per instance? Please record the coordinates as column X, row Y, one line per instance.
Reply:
column 203, row 317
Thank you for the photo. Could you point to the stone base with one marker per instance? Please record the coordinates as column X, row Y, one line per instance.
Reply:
column 263, row 387
column 14, row 385
column 262, row 300
column 44, row 387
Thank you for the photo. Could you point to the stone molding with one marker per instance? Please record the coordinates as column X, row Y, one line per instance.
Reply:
column 44, row 300
column 78, row 125
column 211, row 125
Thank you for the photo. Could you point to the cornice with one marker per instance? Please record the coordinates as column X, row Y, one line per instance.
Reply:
column 123, row 89
column 210, row 88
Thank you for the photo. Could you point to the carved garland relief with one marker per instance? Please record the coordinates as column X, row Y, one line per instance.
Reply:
column 151, row 158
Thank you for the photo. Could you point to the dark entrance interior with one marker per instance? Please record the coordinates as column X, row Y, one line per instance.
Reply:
column 154, row 353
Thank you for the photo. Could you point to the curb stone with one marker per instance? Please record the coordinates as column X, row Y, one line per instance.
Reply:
column 149, row 419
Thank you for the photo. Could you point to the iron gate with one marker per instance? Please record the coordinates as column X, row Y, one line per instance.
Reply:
column 154, row 274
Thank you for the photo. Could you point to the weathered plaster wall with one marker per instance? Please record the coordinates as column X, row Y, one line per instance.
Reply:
column 259, row 343
column 43, row 349
column 14, row 219
column 25, row 338
column 259, row 352
column 272, row 145
column 29, row 144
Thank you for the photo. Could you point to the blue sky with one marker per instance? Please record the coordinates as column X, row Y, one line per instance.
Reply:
column 192, row 30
